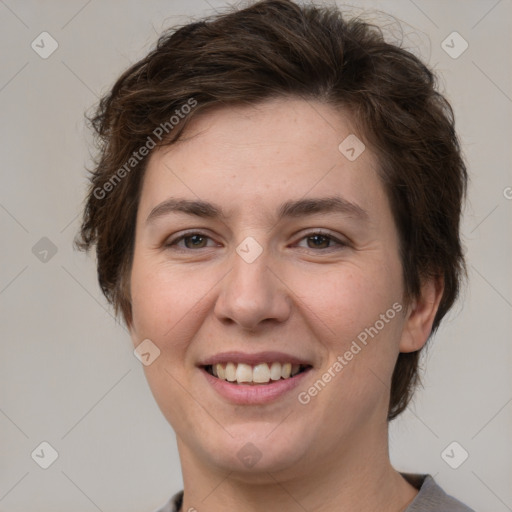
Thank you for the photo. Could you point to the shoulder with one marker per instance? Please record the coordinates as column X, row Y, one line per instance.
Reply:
column 431, row 498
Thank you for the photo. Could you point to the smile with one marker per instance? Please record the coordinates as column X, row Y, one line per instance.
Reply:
column 254, row 378
column 262, row 373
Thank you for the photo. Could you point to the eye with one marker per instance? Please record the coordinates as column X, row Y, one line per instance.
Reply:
column 198, row 240
column 320, row 240
column 191, row 240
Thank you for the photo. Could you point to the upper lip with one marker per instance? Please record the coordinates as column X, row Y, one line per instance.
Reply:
column 253, row 359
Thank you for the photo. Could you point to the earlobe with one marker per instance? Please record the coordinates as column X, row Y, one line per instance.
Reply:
column 420, row 315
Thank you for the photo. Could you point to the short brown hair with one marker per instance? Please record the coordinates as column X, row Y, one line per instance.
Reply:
column 276, row 48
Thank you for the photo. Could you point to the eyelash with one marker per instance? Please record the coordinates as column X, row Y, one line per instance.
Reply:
column 172, row 243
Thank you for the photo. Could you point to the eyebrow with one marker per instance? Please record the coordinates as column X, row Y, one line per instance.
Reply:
column 297, row 208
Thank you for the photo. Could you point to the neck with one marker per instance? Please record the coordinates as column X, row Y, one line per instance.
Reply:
column 357, row 477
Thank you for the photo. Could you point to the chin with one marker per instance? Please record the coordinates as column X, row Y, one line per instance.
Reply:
column 252, row 453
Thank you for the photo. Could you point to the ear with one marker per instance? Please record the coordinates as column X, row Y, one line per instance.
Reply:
column 421, row 314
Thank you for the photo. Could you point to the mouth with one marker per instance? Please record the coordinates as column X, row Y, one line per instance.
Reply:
column 255, row 375
column 254, row 379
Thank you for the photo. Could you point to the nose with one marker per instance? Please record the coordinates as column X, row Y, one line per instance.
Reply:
column 252, row 295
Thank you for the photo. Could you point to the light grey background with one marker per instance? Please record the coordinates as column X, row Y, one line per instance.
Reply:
column 67, row 372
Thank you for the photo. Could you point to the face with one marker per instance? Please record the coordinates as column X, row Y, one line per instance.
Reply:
column 261, row 249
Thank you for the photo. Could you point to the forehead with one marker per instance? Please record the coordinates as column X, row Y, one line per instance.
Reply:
column 257, row 156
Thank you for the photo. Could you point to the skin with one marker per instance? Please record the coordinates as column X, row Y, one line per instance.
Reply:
column 298, row 297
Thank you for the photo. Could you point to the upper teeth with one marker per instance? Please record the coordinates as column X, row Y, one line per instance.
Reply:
column 260, row 373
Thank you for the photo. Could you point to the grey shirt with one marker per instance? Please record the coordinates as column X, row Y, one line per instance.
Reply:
column 430, row 498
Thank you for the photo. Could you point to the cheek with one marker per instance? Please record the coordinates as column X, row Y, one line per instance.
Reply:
column 167, row 304
column 355, row 313
column 347, row 299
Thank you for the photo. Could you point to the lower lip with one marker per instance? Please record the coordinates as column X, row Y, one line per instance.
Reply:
column 244, row 394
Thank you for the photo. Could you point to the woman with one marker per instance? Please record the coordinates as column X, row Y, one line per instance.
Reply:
column 276, row 213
